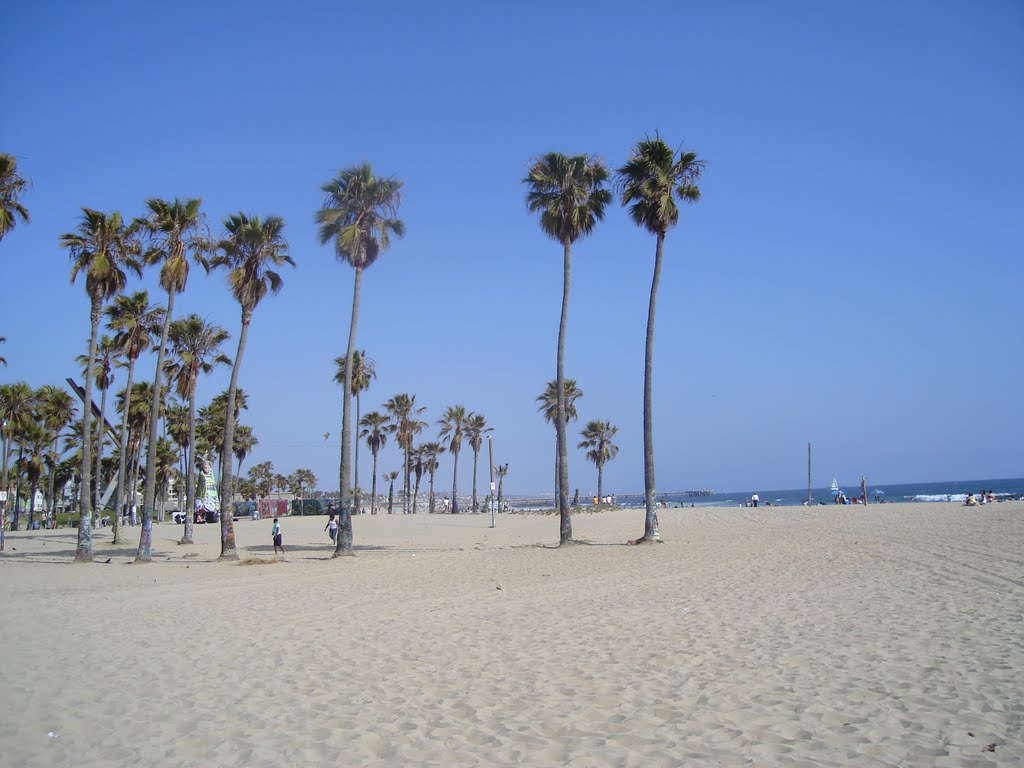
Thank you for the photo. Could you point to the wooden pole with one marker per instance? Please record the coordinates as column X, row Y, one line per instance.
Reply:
column 808, row 474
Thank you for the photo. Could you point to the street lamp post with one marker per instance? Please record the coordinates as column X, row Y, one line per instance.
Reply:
column 490, row 461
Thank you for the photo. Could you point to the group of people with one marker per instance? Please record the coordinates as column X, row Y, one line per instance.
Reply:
column 983, row 497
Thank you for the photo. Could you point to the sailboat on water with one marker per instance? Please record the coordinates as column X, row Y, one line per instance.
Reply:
column 835, row 488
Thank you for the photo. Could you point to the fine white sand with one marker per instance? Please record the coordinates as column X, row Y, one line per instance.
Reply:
column 890, row 635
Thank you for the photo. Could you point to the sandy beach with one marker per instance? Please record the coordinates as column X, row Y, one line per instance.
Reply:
column 890, row 635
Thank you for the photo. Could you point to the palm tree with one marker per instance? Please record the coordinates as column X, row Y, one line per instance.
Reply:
column 597, row 439
column 358, row 214
column 501, row 471
column 35, row 440
column 195, row 349
column 363, row 369
column 650, row 182
column 404, row 425
column 374, row 427
column 101, row 371
column 12, row 187
column 250, row 249
column 212, row 419
column 548, row 400
column 245, row 441
column 17, row 403
column 430, row 452
column 391, row 477
column 476, row 428
column 133, row 321
column 569, row 194
column 174, row 230
column 101, row 248
column 57, row 409
column 299, row 480
column 3, row 360
column 453, row 428
column 418, row 467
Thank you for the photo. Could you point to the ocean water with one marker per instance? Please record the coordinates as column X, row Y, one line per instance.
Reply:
column 952, row 491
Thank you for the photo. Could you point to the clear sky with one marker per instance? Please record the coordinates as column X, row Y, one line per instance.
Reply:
column 852, row 276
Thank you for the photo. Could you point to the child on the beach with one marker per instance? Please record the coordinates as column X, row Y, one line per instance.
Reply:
column 275, row 531
column 332, row 528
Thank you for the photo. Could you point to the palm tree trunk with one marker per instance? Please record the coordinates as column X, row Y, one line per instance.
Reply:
column 373, row 491
column 455, row 484
column 355, row 463
column 600, row 489
column 101, row 436
column 145, row 553
column 344, row 544
column 83, row 551
column 228, row 550
column 651, row 516
column 476, row 455
column 391, row 497
column 405, row 480
column 190, row 472
column 564, row 512
column 3, row 483
column 430, row 507
column 122, row 462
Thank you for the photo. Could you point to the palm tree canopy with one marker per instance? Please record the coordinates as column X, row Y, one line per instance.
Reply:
column 359, row 215
column 134, row 322
column 476, row 428
column 653, row 179
column 250, row 247
column 453, row 426
column 102, row 247
column 363, row 370
column 195, row 351
column 373, row 426
column 548, row 400
column 569, row 194
column 597, row 436
column 106, row 354
column 402, row 412
column 174, row 229
column 12, row 186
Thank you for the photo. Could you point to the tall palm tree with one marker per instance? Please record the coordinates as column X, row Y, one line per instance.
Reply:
column 195, row 351
column 175, row 231
column 430, row 453
column 212, row 419
column 36, row 439
column 359, row 214
column 652, row 180
column 245, row 441
column 250, row 249
column 102, row 374
column 476, row 428
column 12, row 187
column 548, row 400
column 374, row 427
column 391, row 477
column 404, row 425
column 134, row 322
column 597, row 439
column 363, row 370
column 101, row 248
column 453, row 428
column 569, row 194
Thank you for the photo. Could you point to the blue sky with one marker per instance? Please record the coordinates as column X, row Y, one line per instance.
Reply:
column 851, row 276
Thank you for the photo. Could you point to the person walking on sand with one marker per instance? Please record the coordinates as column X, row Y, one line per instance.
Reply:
column 332, row 527
column 275, row 531
column 754, row 499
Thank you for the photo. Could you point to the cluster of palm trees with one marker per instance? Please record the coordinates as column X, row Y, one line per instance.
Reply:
column 358, row 216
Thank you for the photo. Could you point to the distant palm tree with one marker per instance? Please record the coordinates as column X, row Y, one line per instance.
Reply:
column 195, row 351
column 245, row 441
column 374, row 427
column 391, row 477
column 453, row 428
column 3, row 360
column 597, row 439
column 134, row 322
column 249, row 250
column 476, row 428
column 17, row 406
column 501, row 471
column 12, row 187
column 300, row 480
column 404, row 425
column 430, row 453
column 363, row 370
column 175, row 230
column 418, row 467
column 101, row 248
column 569, row 194
column 548, row 400
column 650, row 182
column 57, row 409
column 359, row 214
